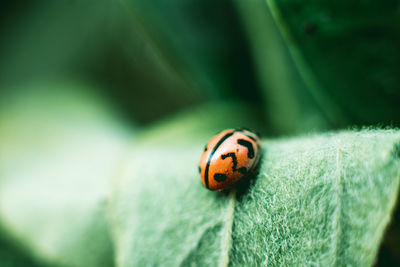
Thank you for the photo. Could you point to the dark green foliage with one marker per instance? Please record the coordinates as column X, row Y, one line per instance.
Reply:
column 289, row 105
column 352, row 50
column 202, row 41
column 11, row 256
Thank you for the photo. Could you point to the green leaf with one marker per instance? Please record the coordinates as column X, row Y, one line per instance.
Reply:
column 283, row 88
column 50, row 39
column 97, row 42
column 203, row 120
column 319, row 199
column 201, row 41
column 134, row 71
column 70, row 145
column 347, row 59
column 171, row 150
column 11, row 256
column 58, row 150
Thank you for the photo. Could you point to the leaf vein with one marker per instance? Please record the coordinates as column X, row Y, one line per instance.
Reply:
column 337, row 225
column 226, row 240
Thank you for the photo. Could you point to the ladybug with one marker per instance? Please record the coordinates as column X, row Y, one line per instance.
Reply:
column 228, row 157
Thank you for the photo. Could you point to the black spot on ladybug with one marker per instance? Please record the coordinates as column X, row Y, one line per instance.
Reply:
column 234, row 159
column 205, row 148
column 226, row 136
column 199, row 169
column 219, row 177
column 242, row 170
column 251, row 137
column 250, row 153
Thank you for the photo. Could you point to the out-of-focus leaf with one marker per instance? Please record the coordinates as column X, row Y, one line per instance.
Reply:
column 49, row 39
column 290, row 106
column 389, row 253
column 11, row 256
column 322, row 199
column 202, row 42
column 94, row 41
column 59, row 146
column 347, row 54
column 136, row 75
column 203, row 120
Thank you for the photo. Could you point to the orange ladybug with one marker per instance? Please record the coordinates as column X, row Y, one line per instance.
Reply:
column 228, row 157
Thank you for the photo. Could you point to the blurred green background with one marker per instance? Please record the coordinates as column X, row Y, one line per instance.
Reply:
column 293, row 66
column 319, row 65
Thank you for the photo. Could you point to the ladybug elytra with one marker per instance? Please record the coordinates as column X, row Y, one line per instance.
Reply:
column 228, row 157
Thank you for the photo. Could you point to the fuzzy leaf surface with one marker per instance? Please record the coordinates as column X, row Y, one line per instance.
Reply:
column 320, row 199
